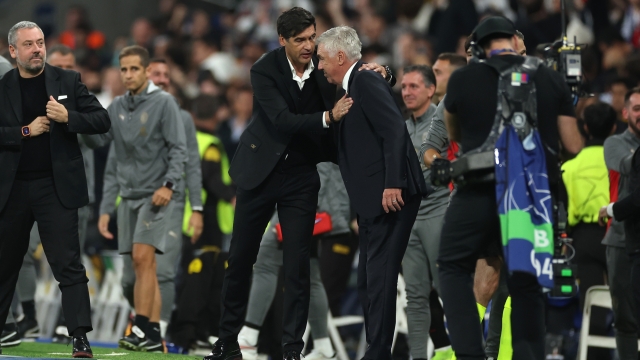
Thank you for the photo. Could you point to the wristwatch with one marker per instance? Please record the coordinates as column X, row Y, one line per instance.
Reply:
column 389, row 73
column 26, row 132
column 168, row 185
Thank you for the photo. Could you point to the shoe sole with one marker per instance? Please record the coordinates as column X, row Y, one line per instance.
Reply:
column 33, row 333
column 82, row 354
column 11, row 343
column 129, row 346
column 234, row 356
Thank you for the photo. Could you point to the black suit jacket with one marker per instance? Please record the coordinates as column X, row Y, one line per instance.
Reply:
column 374, row 148
column 86, row 116
column 273, row 123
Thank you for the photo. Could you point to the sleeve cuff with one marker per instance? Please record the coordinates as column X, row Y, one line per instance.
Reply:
column 324, row 123
column 610, row 211
column 197, row 208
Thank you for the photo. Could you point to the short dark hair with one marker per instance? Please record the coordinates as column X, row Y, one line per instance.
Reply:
column 456, row 60
column 204, row 107
column 428, row 76
column 627, row 96
column 486, row 42
column 138, row 51
column 520, row 35
column 600, row 118
column 64, row 50
column 158, row 60
column 294, row 21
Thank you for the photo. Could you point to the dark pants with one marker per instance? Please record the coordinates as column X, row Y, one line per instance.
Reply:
column 591, row 264
column 383, row 242
column 624, row 308
column 36, row 200
column 635, row 281
column 296, row 195
column 336, row 257
column 471, row 226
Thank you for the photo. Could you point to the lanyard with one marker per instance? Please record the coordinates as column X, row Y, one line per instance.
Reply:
column 500, row 51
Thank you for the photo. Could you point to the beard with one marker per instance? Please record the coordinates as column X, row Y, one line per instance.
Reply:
column 30, row 68
column 634, row 127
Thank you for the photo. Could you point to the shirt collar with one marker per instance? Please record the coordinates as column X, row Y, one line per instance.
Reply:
column 307, row 71
column 345, row 80
column 428, row 114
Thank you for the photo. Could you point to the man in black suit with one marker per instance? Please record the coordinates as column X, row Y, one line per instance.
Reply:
column 42, row 177
column 383, row 178
column 275, row 164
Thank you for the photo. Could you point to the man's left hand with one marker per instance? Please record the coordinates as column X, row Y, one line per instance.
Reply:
column 162, row 196
column 375, row 67
column 392, row 200
column 603, row 217
column 56, row 111
column 195, row 225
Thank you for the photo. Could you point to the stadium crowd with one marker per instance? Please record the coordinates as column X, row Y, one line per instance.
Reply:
column 208, row 56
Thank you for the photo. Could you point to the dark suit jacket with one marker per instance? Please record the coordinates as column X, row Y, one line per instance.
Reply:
column 273, row 123
column 374, row 148
column 86, row 116
column 628, row 209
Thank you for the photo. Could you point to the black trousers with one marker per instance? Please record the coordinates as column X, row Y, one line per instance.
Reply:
column 36, row 200
column 471, row 225
column 336, row 257
column 591, row 261
column 383, row 242
column 296, row 195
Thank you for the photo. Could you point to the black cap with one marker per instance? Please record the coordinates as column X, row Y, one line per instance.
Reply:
column 493, row 25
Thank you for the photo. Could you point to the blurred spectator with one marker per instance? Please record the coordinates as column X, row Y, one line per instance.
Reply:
column 78, row 31
column 207, row 56
column 630, row 27
column 241, row 107
column 112, row 86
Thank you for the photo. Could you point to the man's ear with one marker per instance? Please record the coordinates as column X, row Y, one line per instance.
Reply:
column 341, row 58
column 281, row 40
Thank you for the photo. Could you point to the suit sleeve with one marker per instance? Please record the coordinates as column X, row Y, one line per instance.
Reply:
column 193, row 169
column 268, row 96
column 627, row 206
column 10, row 136
column 617, row 157
column 99, row 140
column 110, row 186
column 385, row 118
column 173, row 133
column 89, row 117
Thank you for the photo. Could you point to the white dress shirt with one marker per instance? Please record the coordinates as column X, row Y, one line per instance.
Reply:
column 345, row 80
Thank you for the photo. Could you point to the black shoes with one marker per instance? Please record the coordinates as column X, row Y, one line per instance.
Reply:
column 81, row 347
column 9, row 338
column 291, row 355
column 225, row 351
column 28, row 328
column 138, row 341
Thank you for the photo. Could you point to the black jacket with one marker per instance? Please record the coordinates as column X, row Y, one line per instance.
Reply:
column 374, row 148
column 86, row 116
column 628, row 209
column 273, row 123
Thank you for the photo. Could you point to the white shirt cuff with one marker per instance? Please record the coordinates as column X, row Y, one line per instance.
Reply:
column 610, row 210
column 324, row 123
column 197, row 208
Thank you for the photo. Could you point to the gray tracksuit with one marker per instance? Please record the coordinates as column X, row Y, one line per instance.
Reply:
column 149, row 143
column 419, row 262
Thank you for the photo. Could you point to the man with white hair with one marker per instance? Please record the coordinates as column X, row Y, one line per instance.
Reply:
column 383, row 178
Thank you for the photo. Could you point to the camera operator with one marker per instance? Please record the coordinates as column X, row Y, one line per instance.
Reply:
column 470, row 115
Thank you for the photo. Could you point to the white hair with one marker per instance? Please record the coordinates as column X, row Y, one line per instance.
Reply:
column 342, row 38
column 13, row 32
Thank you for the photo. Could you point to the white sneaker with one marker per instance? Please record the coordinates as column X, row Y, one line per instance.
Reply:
column 318, row 355
column 249, row 352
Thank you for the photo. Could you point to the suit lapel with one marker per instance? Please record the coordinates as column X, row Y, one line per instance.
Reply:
column 52, row 84
column 287, row 77
column 15, row 97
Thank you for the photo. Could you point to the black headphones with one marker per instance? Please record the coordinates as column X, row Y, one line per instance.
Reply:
column 476, row 50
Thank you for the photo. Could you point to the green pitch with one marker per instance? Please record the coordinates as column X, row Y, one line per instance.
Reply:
column 56, row 351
